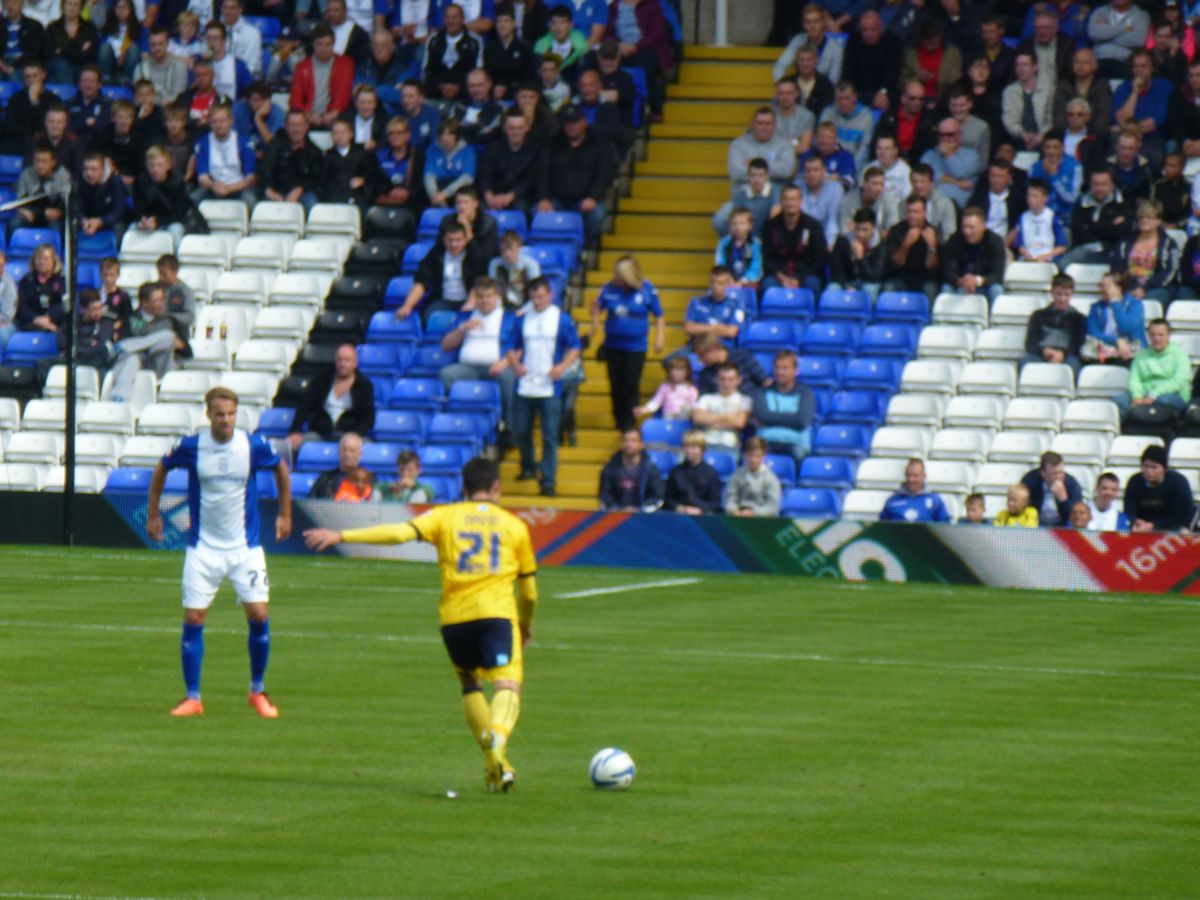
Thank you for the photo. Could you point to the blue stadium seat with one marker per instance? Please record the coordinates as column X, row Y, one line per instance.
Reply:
column 783, row 466
column 787, row 303
column 7, row 195
column 889, row 339
column 441, row 459
column 265, row 482
column 509, row 220
column 724, row 463
column 866, row 373
column 831, row 338
column 811, row 503
column 838, row 304
column 747, row 299
column 386, row 360
column 413, row 254
column 385, row 328
column 397, row 290
column 268, row 27
column 128, row 481
column 446, row 488
column 431, row 221
column 563, row 229
column 640, row 95
column 379, row 457
column 439, row 323
column 10, row 166
column 95, row 247
column 819, row 371
column 317, row 456
column 89, row 273
column 765, row 358
column 25, row 240
column 65, row 92
column 902, row 306
column 111, row 92
column 475, row 397
column 857, row 408
column 389, row 96
column 27, row 347
column 419, row 394
column 8, row 89
column 429, row 361
column 664, row 459
column 401, row 426
column 17, row 268
column 177, row 482
column 302, row 483
column 853, row 441
column 659, row 433
column 383, row 390
column 833, row 472
column 466, row 429
column 822, row 400
column 771, row 335
column 275, row 422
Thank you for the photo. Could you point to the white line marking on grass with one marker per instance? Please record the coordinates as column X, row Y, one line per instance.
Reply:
column 624, row 588
column 819, row 658
column 30, row 896
column 290, row 585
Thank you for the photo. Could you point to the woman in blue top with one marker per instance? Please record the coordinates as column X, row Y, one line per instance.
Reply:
column 449, row 164
column 627, row 301
column 401, row 169
column 1116, row 323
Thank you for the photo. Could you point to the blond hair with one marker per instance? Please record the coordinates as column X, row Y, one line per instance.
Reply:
column 219, row 393
column 628, row 272
column 695, row 438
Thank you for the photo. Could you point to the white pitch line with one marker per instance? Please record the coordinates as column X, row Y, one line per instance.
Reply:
column 33, row 896
column 624, row 588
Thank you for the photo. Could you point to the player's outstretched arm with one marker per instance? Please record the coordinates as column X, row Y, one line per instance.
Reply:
column 154, row 522
column 283, row 486
column 320, row 539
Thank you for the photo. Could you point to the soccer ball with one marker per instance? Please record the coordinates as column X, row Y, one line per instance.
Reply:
column 611, row 769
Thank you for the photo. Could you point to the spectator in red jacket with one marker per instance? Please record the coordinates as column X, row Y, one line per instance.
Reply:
column 641, row 31
column 322, row 83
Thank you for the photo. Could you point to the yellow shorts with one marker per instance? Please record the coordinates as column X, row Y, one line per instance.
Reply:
column 485, row 648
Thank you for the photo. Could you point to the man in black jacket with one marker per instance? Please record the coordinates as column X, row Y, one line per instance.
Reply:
column 342, row 392
column 1158, row 499
column 576, row 174
column 1052, row 492
column 1046, row 36
column 507, row 173
column 291, row 168
column 1001, row 201
column 348, row 172
column 1056, row 332
column 974, row 258
column 481, row 115
column 508, row 59
column 630, row 481
column 794, row 248
column 349, row 454
column 693, row 487
column 872, row 61
column 452, row 52
column 24, row 113
column 1100, row 219
column 604, row 119
column 445, row 275
column 102, row 201
column 29, row 37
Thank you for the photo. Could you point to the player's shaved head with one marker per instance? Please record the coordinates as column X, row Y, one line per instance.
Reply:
column 480, row 476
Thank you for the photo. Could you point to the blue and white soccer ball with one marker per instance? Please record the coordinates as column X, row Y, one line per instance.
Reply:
column 611, row 769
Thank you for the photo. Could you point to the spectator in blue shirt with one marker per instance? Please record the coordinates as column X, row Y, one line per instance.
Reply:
column 783, row 410
column 839, row 163
column 822, row 198
column 88, row 111
column 716, row 312
column 627, row 302
column 912, row 503
column 1116, row 323
column 1143, row 101
column 225, row 162
column 955, row 167
column 449, row 164
column 422, row 117
column 1061, row 172
column 740, row 251
column 257, row 118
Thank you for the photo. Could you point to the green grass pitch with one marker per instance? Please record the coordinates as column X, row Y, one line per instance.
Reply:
column 793, row 738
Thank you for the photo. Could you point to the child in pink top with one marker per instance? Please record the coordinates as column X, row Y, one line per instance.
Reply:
column 676, row 396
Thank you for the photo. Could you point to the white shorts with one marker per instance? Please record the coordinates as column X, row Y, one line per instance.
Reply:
column 205, row 568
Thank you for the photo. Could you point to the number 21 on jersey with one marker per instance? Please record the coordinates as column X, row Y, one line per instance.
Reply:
column 474, row 542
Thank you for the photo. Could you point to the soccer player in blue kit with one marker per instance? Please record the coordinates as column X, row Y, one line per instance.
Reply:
column 223, row 538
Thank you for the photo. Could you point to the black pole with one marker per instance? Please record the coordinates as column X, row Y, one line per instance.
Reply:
column 696, row 23
column 69, row 275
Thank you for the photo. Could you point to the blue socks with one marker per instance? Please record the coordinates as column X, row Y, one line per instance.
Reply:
column 259, row 645
column 191, row 651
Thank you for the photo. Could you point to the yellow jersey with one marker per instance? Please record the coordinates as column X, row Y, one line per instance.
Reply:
column 482, row 550
column 1027, row 519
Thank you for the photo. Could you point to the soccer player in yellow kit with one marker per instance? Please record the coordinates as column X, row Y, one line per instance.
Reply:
column 482, row 549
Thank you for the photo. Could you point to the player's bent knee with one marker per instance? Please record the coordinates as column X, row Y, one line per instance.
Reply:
column 195, row 616
column 506, row 684
column 256, row 612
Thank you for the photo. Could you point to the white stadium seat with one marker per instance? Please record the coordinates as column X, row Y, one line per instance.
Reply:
column 334, row 218
column 1029, row 276
column 49, row 415
column 1101, row 382
column 1190, row 344
column 1152, row 309
column 864, row 506
column 134, row 275
column 22, row 476
column 961, row 309
column 226, row 216
column 263, row 252
column 277, row 217
column 209, row 356
column 880, row 473
column 1082, row 305
column 317, row 255
column 201, row 279
column 214, row 250
column 1023, row 447
column 1033, row 414
column 964, row 444
column 1005, row 344
column 1123, row 473
column 997, row 478
column 922, row 410
column 1087, row 276
column 169, row 419
column 975, row 412
column 97, row 450
column 1086, row 476
column 41, row 448
column 252, row 388
column 88, row 479
column 1014, row 310
column 10, row 414
column 946, row 342
column 1127, row 449
column 948, row 476
column 145, row 246
column 299, row 289
column 242, row 286
column 108, row 417
column 1081, row 449
column 901, row 442
column 228, row 324
column 145, row 450
column 87, row 383
column 264, row 355
column 988, row 378
column 185, row 386
column 1040, row 379
column 1184, row 316
column 1092, row 415
column 1185, row 453
column 929, row 376
column 282, row 322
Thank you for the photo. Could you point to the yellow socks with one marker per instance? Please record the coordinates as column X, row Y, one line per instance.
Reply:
column 506, row 706
column 479, row 716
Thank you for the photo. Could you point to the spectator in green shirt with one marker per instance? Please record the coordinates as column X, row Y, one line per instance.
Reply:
column 1161, row 373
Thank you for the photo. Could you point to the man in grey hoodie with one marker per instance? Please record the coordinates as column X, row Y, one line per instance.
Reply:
column 753, row 490
column 854, row 122
column 762, row 141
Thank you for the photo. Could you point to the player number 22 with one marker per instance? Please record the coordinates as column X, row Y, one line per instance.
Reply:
column 474, row 544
